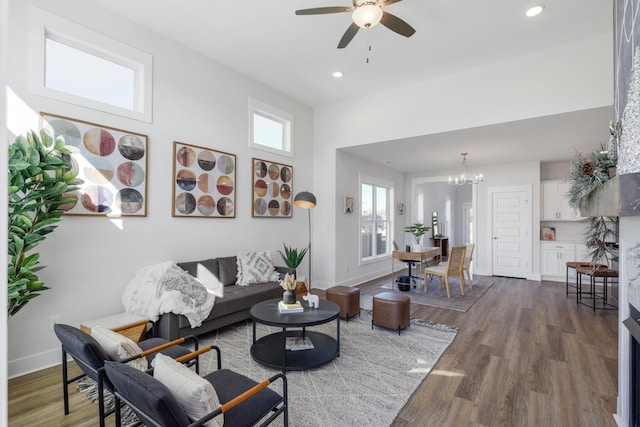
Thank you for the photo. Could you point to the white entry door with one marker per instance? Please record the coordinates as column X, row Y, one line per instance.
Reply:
column 510, row 232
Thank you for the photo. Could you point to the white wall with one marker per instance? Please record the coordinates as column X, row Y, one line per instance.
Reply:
column 567, row 78
column 91, row 259
column 349, row 270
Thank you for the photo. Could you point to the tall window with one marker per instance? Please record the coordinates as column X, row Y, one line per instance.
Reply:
column 270, row 128
column 375, row 220
column 74, row 64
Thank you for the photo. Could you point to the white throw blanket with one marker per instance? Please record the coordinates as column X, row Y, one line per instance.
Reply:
column 166, row 288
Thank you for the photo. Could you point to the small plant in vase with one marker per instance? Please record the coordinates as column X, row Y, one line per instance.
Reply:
column 417, row 230
column 292, row 257
column 289, row 286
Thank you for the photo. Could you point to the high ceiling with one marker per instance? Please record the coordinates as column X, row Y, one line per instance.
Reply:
column 296, row 55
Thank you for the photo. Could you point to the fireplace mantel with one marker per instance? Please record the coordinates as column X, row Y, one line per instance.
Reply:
column 620, row 196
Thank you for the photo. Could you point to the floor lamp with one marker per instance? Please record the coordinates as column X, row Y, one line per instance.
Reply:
column 306, row 200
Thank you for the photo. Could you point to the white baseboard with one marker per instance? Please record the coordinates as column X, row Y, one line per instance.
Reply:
column 36, row 362
column 535, row 277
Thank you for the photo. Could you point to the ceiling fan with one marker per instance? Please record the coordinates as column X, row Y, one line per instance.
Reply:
column 365, row 14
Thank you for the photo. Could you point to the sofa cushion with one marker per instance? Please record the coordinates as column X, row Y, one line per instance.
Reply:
column 228, row 270
column 191, row 267
column 239, row 298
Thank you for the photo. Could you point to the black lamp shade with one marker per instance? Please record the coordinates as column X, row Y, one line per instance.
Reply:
column 305, row 199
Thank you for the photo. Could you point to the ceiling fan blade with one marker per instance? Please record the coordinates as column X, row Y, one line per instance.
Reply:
column 388, row 2
column 348, row 35
column 396, row 24
column 323, row 10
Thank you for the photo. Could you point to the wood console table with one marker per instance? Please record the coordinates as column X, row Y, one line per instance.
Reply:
column 441, row 242
column 427, row 253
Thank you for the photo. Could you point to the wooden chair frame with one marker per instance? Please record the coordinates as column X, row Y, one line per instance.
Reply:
column 452, row 268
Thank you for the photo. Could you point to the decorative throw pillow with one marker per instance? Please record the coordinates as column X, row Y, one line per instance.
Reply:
column 119, row 347
column 195, row 394
column 255, row 267
column 210, row 281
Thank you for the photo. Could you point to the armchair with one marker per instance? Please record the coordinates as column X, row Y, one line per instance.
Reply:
column 243, row 401
column 90, row 356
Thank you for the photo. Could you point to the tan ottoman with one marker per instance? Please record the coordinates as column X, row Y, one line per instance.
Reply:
column 391, row 310
column 347, row 297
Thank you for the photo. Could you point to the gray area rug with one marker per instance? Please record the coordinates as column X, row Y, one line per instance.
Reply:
column 367, row 385
column 435, row 297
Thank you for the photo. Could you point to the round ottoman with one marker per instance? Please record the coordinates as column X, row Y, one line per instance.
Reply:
column 391, row 311
column 347, row 298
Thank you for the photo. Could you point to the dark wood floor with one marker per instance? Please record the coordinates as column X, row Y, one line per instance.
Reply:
column 525, row 355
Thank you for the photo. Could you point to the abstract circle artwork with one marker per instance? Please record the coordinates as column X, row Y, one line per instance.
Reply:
column 111, row 162
column 204, row 182
column 272, row 183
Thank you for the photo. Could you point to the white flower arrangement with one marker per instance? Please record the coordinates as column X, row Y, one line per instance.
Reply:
column 289, row 282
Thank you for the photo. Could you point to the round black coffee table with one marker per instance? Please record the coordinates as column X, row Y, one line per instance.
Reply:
column 270, row 350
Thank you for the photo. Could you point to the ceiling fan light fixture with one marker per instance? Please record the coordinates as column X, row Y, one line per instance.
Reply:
column 337, row 74
column 534, row 11
column 367, row 15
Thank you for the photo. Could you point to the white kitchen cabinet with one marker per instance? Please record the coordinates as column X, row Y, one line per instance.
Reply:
column 554, row 256
column 555, row 206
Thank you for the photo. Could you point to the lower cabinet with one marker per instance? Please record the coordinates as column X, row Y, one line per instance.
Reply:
column 555, row 255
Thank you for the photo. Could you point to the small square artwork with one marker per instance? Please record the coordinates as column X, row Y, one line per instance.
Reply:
column 204, row 182
column 548, row 233
column 348, row 205
column 272, row 189
column 111, row 162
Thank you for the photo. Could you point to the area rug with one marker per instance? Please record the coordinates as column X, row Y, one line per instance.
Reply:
column 436, row 297
column 367, row 385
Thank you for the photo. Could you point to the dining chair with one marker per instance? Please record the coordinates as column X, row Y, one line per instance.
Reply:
column 468, row 257
column 452, row 268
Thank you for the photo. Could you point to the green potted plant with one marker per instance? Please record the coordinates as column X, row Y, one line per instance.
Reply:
column 417, row 230
column 41, row 180
column 292, row 256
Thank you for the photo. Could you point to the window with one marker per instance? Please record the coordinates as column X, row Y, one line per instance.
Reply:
column 74, row 64
column 375, row 219
column 270, row 128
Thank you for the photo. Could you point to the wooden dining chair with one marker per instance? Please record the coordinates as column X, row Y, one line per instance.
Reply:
column 468, row 257
column 452, row 268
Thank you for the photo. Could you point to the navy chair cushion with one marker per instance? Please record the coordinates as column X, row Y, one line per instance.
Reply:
column 173, row 352
column 149, row 395
column 84, row 349
column 229, row 384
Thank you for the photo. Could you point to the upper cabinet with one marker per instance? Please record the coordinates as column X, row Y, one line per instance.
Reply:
column 554, row 203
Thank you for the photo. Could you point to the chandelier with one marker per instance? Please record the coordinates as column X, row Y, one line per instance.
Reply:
column 463, row 178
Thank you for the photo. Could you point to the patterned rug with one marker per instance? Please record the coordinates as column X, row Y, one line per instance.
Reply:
column 435, row 297
column 367, row 385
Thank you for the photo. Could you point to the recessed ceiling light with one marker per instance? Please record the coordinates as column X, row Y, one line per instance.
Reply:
column 534, row 11
column 338, row 74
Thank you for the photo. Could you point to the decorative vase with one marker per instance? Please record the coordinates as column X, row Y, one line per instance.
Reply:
column 289, row 297
column 417, row 247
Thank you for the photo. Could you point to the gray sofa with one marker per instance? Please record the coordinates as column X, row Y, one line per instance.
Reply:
column 232, row 308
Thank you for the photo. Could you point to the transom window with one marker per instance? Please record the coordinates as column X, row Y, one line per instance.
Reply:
column 270, row 128
column 80, row 73
column 375, row 219
column 74, row 64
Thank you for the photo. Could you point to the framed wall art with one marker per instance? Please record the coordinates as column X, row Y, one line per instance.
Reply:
column 348, row 204
column 111, row 162
column 204, row 182
column 272, row 189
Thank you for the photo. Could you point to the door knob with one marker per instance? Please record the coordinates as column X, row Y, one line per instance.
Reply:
column 495, row 238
